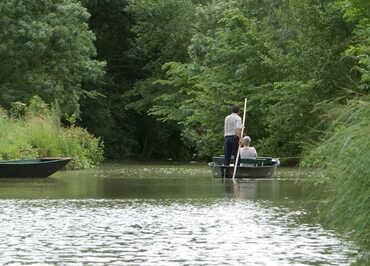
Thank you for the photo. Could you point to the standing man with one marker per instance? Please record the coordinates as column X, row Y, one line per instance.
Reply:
column 233, row 128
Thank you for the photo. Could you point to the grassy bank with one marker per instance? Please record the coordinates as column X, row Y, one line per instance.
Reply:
column 344, row 157
column 35, row 131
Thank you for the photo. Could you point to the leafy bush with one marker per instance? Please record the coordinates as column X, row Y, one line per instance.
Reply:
column 39, row 134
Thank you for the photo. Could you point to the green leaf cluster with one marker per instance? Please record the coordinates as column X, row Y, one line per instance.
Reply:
column 46, row 49
column 285, row 57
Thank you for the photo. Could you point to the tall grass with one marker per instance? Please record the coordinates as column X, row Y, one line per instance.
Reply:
column 39, row 134
column 344, row 157
column 14, row 139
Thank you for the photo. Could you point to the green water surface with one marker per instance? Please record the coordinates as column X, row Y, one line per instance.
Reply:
column 163, row 214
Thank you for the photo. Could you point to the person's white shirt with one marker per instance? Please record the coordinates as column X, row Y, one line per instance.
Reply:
column 248, row 152
column 233, row 123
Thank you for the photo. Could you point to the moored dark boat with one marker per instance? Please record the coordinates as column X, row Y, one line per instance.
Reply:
column 259, row 167
column 42, row 167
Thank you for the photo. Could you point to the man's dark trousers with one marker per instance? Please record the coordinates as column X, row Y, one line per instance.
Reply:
column 231, row 147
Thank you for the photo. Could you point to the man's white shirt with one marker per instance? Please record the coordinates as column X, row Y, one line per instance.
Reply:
column 233, row 122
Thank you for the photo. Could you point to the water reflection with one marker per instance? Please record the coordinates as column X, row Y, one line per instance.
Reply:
column 162, row 232
column 264, row 189
column 160, row 215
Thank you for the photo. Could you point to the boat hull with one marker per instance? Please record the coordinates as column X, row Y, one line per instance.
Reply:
column 221, row 171
column 43, row 167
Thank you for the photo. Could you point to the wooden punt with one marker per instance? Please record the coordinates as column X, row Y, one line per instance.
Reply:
column 41, row 167
column 259, row 167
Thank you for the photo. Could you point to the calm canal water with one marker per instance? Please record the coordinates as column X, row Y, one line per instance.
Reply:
column 125, row 214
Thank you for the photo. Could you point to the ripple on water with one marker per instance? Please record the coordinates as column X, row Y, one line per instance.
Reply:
column 149, row 232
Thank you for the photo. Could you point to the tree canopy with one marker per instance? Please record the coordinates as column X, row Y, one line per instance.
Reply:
column 48, row 50
column 174, row 68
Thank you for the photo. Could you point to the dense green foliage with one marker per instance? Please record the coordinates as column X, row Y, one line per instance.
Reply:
column 122, row 117
column 284, row 57
column 163, row 31
column 106, row 116
column 343, row 153
column 344, row 157
column 38, row 133
column 174, row 68
column 46, row 49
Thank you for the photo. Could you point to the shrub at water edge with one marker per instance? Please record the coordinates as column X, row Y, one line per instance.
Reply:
column 39, row 134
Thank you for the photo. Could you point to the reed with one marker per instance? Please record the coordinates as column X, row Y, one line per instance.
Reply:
column 344, row 158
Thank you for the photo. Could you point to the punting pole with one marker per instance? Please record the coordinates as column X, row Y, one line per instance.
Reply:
column 241, row 136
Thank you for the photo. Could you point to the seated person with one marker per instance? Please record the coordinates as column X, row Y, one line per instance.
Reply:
column 246, row 151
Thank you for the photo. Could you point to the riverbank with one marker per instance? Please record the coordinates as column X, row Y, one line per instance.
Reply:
column 35, row 130
column 343, row 157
